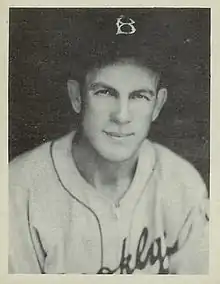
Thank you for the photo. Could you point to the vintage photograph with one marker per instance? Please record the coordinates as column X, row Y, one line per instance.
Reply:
column 109, row 140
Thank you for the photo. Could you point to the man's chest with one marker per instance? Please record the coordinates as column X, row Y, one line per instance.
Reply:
column 104, row 239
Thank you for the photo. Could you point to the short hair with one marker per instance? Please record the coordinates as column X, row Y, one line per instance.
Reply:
column 99, row 45
column 150, row 60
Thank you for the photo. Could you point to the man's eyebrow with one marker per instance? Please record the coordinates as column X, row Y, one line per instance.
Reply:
column 146, row 90
column 96, row 85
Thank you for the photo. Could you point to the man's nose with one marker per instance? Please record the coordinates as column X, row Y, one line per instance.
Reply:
column 121, row 113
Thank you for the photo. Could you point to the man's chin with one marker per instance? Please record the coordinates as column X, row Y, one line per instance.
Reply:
column 118, row 156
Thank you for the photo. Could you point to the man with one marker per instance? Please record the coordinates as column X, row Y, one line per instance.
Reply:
column 105, row 199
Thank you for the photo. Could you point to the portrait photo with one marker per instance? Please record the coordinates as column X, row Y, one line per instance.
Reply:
column 109, row 140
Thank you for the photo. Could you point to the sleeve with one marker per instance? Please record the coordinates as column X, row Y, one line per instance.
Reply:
column 192, row 254
column 25, row 251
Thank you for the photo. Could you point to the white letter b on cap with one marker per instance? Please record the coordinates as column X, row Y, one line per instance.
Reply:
column 121, row 25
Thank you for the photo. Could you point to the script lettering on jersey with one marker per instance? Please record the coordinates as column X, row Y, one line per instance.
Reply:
column 144, row 257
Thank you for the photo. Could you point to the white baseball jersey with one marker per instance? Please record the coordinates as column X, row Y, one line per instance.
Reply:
column 60, row 224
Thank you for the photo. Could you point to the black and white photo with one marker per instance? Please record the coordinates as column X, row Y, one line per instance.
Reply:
column 109, row 140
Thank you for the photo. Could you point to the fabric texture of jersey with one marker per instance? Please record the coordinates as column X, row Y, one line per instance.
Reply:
column 59, row 223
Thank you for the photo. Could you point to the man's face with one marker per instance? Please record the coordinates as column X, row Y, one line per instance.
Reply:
column 120, row 102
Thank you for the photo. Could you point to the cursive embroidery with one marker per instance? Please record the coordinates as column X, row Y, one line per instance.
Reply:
column 143, row 257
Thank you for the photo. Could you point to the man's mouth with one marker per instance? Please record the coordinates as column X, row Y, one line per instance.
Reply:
column 118, row 135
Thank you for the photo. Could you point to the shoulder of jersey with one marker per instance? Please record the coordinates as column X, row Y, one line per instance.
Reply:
column 178, row 175
column 35, row 163
column 171, row 161
column 31, row 158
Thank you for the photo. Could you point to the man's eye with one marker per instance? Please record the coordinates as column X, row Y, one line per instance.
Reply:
column 140, row 97
column 103, row 92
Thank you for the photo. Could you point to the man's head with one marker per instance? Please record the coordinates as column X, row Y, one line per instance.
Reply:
column 118, row 101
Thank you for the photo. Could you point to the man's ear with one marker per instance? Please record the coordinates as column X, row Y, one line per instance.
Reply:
column 160, row 101
column 74, row 95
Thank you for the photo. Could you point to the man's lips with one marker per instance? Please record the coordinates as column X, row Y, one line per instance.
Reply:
column 118, row 134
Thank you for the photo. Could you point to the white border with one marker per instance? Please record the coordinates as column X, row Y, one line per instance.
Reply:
column 214, row 274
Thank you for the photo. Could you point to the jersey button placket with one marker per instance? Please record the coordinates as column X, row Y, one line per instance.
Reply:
column 116, row 215
column 116, row 211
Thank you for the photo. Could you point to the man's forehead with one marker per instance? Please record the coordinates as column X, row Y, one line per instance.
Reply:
column 122, row 75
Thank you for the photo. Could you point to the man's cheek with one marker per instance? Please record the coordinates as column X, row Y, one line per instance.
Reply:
column 97, row 112
column 142, row 122
column 93, row 124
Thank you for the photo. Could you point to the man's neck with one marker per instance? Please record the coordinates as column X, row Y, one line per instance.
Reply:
column 110, row 178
